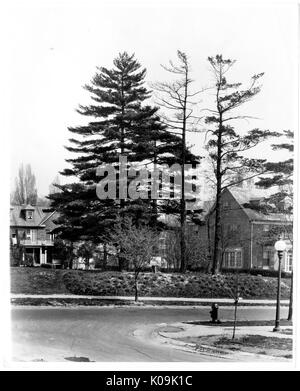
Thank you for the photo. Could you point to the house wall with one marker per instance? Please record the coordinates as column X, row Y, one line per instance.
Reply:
column 238, row 232
column 236, row 229
column 38, row 233
column 264, row 254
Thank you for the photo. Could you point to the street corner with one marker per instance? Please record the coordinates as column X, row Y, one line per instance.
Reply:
column 256, row 342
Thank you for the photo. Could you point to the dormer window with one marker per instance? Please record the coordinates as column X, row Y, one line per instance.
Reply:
column 27, row 212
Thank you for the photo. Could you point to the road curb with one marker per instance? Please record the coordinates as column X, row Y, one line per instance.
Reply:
column 216, row 352
column 59, row 301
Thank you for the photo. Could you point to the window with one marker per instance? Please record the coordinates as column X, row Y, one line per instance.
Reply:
column 233, row 259
column 232, row 228
column 266, row 227
column 289, row 261
column 238, row 259
column 29, row 214
column 28, row 234
column 14, row 238
column 267, row 257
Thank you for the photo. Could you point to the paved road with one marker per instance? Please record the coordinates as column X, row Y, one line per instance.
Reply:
column 106, row 333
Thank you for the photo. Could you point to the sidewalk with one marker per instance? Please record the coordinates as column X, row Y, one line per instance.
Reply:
column 148, row 300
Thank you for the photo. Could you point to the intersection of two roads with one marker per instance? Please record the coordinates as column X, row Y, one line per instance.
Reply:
column 106, row 334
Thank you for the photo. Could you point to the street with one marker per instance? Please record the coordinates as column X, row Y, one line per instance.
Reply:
column 109, row 333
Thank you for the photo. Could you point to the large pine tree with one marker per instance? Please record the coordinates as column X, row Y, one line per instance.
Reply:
column 122, row 125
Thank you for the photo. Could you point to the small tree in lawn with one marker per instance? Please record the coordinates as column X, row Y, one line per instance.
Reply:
column 138, row 246
column 236, row 300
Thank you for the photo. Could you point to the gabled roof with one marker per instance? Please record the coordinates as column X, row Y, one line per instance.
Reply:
column 41, row 217
column 49, row 221
column 28, row 207
column 271, row 217
column 244, row 197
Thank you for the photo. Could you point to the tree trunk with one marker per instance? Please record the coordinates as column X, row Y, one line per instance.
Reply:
column 290, row 314
column 182, row 238
column 183, row 204
column 87, row 263
column 135, row 289
column 234, row 321
column 121, row 259
column 70, row 262
column 104, row 256
column 217, row 238
column 208, row 244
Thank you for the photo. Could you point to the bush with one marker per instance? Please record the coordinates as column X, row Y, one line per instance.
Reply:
column 81, row 282
column 176, row 285
column 258, row 272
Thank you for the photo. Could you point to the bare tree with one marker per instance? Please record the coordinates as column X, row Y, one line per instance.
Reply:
column 197, row 256
column 25, row 191
column 53, row 188
column 176, row 98
column 226, row 146
column 138, row 245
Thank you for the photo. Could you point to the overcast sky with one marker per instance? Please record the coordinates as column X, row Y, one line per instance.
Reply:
column 54, row 50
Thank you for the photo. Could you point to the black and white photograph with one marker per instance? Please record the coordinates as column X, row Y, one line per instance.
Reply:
column 152, row 184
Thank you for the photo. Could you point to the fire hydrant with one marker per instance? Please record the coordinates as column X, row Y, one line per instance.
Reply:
column 214, row 313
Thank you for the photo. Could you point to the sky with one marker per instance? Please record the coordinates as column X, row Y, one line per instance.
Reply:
column 54, row 47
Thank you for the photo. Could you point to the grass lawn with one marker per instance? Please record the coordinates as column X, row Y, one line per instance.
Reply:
column 48, row 281
column 258, row 344
column 37, row 281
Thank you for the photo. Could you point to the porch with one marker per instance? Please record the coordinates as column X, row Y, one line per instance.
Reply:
column 40, row 256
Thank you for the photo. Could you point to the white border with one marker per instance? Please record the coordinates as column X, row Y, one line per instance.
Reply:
column 5, row 363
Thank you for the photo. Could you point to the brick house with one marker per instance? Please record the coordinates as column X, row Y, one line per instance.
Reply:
column 246, row 239
column 31, row 230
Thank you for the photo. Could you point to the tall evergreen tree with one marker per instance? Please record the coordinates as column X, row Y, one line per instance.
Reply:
column 280, row 174
column 122, row 125
column 226, row 145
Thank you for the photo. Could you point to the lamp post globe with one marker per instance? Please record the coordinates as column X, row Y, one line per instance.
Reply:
column 280, row 247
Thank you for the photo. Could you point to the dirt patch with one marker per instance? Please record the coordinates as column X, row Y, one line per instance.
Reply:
column 78, row 359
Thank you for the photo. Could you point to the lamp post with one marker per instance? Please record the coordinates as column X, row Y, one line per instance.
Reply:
column 280, row 246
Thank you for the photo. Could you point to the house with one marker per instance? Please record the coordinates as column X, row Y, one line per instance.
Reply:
column 31, row 231
column 247, row 234
column 168, row 244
